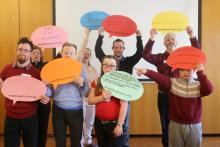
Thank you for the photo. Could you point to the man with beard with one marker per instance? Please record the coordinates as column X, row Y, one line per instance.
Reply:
column 159, row 60
column 21, row 118
column 125, row 64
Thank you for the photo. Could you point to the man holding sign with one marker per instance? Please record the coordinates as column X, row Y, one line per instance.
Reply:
column 160, row 61
column 21, row 117
column 125, row 64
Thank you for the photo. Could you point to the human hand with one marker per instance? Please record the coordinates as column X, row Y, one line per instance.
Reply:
column 189, row 31
column 140, row 71
column 199, row 67
column 153, row 33
column 138, row 32
column 106, row 95
column 101, row 31
column 79, row 81
column 118, row 131
column 44, row 99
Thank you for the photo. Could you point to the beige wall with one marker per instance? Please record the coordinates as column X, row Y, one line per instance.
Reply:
column 20, row 17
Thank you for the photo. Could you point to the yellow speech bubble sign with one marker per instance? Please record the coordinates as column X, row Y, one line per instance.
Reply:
column 61, row 71
column 170, row 21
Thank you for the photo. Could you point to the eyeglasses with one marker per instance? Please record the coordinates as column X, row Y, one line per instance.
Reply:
column 23, row 50
column 109, row 66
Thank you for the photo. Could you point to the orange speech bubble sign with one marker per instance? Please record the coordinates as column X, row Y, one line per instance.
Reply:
column 23, row 88
column 186, row 58
column 118, row 25
column 61, row 71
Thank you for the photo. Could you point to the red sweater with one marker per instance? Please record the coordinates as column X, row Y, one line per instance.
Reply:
column 19, row 109
column 185, row 103
column 107, row 110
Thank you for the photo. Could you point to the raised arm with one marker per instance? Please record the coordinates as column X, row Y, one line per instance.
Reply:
column 193, row 40
column 138, row 54
column 83, row 45
column 98, row 46
column 206, row 87
column 164, row 82
column 147, row 52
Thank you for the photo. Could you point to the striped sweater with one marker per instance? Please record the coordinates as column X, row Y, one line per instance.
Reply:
column 185, row 103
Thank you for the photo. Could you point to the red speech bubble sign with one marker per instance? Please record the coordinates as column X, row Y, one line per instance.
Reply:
column 118, row 25
column 49, row 37
column 186, row 58
column 23, row 88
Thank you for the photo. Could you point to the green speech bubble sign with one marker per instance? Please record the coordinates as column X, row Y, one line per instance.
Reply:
column 122, row 85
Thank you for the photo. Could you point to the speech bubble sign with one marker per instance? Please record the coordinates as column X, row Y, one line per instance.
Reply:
column 122, row 85
column 23, row 88
column 61, row 71
column 49, row 37
column 118, row 25
column 186, row 58
column 170, row 21
column 93, row 19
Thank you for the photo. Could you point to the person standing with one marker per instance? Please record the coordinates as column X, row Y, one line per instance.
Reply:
column 84, row 56
column 159, row 60
column 43, row 111
column 21, row 119
column 125, row 64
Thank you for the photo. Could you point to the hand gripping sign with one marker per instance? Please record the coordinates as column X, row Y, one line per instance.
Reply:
column 93, row 19
column 61, row 71
column 49, row 37
column 122, row 85
column 23, row 88
column 118, row 25
column 186, row 58
column 170, row 21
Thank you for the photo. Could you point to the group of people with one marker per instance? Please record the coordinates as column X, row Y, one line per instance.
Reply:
column 84, row 102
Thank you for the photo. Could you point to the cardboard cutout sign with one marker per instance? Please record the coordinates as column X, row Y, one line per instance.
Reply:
column 118, row 25
column 122, row 85
column 61, row 71
column 170, row 21
column 49, row 37
column 23, row 88
column 186, row 58
column 93, row 19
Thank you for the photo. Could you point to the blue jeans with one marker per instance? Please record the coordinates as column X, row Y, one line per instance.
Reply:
column 123, row 140
column 163, row 107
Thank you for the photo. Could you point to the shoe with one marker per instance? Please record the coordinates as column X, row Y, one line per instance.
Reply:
column 90, row 145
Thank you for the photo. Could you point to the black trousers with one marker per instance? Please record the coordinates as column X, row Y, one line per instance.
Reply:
column 163, row 107
column 73, row 119
column 105, row 136
column 43, row 112
column 15, row 129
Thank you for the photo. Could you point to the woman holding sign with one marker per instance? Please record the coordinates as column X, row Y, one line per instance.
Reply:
column 110, row 111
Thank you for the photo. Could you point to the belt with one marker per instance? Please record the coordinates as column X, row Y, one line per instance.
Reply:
column 108, row 121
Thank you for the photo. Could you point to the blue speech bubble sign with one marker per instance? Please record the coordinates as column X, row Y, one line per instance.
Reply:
column 122, row 85
column 93, row 19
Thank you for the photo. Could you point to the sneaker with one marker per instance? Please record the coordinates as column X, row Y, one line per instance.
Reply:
column 90, row 145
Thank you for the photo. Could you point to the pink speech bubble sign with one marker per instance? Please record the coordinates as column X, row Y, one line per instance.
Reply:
column 186, row 58
column 49, row 37
column 118, row 25
column 23, row 88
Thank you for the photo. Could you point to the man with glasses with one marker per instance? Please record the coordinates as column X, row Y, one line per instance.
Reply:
column 125, row 64
column 21, row 118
